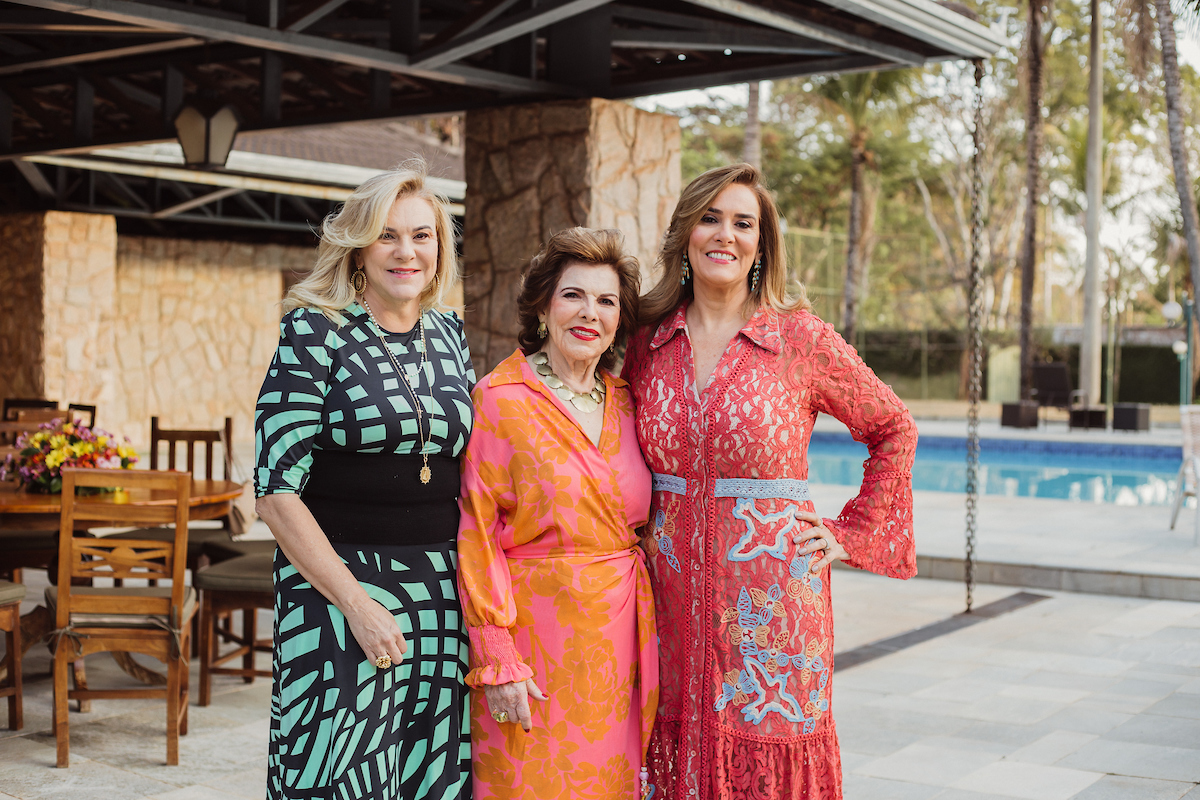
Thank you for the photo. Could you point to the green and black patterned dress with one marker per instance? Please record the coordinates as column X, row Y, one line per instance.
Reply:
column 336, row 425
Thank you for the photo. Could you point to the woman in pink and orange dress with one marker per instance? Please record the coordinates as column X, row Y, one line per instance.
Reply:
column 554, row 587
column 728, row 375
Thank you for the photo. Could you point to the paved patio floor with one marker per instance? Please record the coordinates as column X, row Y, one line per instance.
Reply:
column 1077, row 696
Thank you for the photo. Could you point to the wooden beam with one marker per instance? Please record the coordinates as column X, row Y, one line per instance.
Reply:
column 89, row 56
column 85, row 109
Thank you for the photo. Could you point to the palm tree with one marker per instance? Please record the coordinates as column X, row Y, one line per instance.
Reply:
column 1138, row 36
column 1035, row 44
column 857, row 99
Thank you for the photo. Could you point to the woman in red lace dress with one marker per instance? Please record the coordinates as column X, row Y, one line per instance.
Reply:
column 729, row 374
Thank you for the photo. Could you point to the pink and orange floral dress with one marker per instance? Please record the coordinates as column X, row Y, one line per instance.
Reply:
column 554, row 587
column 746, row 628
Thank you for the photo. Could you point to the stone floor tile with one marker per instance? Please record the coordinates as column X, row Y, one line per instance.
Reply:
column 963, row 794
column 935, row 668
column 1120, row 787
column 1194, row 794
column 1028, row 781
column 874, row 741
column 919, row 763
column 1134, row 687
column 851, row 759
column 1051, row 747
column 249, row 783
column 849, row 698
column 194, row 793
column 920, row 705
column 882, row 681
column 1067, row 680
column 1049, row 694
column 1015, row 710
column 1088, row 665
column 1177, row 704
column 1191, row 687
column 963, row 690
column 1136, row 760
column 1148, row 619
column 861, row 787
column 1159, row 730
column 27, row 771
column 876, row 716
column 1005, row 733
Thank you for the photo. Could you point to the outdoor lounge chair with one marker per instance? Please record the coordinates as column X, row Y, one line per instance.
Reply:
column 1189, row 470
column 1052, row 389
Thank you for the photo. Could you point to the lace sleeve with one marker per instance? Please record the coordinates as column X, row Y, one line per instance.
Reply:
column 876, row 526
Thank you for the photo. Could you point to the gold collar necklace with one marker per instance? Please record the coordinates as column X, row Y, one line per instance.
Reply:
column 411, row 382
column 587, row 402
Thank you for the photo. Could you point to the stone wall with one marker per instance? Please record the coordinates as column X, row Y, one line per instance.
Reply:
column 535, row 169
column 21, row 359
column 139, row 327
column 196, row 326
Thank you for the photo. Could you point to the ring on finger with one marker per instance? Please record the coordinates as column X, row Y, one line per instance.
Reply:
column 383, row 662
column 500, row 716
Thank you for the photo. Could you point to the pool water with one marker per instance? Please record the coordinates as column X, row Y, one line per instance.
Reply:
column 1126, row 475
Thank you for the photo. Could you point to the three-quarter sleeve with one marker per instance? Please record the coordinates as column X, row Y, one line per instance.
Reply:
column 287, row 417
column 484, row 581
column 875, row 527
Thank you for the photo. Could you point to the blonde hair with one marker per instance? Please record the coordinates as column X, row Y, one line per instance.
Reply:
column 694, row 202
column 358, row 224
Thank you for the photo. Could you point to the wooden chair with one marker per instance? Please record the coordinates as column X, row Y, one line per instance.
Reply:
column 153, row 620
column 11, row 595
column 243, row 583
column 80, row 410
column 1187, row 480
column 198, row 537
column 13, row 404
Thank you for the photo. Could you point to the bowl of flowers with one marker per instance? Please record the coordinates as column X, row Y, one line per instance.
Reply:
column 40, row 455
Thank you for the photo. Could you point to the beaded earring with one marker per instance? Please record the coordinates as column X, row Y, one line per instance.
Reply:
column 542, row 330
column 687, row 271
column 755, row 273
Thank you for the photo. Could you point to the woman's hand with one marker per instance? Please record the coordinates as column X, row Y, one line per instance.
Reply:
column 511, row 700
column 819, row 538
column 376, row 631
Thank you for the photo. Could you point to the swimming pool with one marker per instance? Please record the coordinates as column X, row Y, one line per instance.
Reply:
column 1126, row 475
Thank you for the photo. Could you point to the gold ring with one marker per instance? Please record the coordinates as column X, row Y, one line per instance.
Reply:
column 500, row 716
column 383, row 662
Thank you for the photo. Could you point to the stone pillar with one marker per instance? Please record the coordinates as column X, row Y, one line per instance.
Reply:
column 536, row 169
column 57, row 273
column 21, row 359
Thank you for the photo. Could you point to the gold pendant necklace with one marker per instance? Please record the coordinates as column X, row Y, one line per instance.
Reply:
column 587, row 402
column 411, row 384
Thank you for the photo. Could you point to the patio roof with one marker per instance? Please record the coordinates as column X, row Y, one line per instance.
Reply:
column 79, row 74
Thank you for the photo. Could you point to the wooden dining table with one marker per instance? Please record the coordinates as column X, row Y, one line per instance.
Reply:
column 24, row 511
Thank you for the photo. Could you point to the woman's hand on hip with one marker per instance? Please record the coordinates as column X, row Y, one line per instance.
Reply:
column 376, row 631
column 509, row 702
column 818, row 537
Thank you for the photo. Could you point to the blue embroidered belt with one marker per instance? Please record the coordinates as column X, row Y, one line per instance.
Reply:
column 777, row 488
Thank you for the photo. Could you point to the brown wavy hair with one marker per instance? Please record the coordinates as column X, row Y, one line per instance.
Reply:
column 694, row 201
column 578, row 246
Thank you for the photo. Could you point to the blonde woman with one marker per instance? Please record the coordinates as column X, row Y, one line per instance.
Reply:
column 360, row 422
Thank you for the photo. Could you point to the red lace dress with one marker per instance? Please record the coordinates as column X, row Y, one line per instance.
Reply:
column 746, row 629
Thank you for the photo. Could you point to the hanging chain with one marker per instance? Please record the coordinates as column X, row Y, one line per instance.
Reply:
column 974, row 335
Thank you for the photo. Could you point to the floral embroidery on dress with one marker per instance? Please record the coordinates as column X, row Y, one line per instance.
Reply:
column 776, row 526
column 764, row 658
column 662, row 529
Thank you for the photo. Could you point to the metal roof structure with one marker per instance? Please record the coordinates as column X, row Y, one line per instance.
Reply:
column 80, row 74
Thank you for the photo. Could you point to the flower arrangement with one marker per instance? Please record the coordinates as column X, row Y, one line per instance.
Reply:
column 42, row 454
